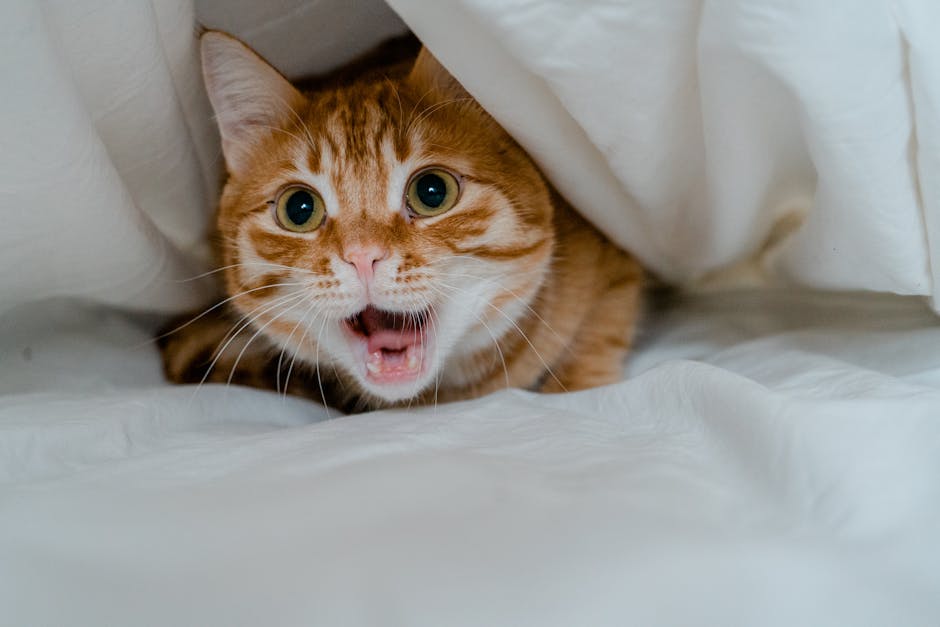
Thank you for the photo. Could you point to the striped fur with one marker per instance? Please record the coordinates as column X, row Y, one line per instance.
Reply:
column 523, row 291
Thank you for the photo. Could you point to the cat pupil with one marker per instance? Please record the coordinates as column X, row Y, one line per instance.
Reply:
column 299, row 207
column 431, row 190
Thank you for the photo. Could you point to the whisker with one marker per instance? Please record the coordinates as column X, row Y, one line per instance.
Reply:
column 524, row 336
column 221, row 351
column 241, row 353
column 276, row 129
column 300, row 122
column 211, row 309
column 297, row 347
column 522, row 301
column 280, row 357
column 317, row 360
column 300, row 344
column 436, row 107
column 264, row 303
column 245, row 263
column 415, row 108
column 499, row 350
column 401, row 112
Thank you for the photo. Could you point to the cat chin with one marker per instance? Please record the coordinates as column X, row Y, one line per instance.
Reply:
column 394, row 388
column 398, row 377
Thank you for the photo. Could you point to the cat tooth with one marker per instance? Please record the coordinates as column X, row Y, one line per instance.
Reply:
column 412, row 362
column 374, row 363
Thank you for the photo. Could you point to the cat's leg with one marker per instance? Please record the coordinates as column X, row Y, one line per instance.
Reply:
column 210, row 349
column 600, row 346
column 216, row 348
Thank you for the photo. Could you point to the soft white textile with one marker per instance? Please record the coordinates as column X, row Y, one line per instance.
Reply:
column 699, row 132
column 771, row 461
column 107, row 153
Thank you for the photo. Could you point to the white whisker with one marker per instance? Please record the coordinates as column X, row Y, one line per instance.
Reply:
column 231, row 372
column 522, row 333
column 221, row 351
column 216, row 306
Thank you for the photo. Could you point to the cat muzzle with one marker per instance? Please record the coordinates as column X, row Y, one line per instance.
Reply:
column 392, row 344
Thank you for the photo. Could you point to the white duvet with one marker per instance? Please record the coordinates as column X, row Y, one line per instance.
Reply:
column 771, row 460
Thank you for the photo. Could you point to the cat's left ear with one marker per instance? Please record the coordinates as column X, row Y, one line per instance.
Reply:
column 429, row 73
column 249, row 96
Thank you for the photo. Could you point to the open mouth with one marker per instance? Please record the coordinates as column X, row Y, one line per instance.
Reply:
column 393, row 344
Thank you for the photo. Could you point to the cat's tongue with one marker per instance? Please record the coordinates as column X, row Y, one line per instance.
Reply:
column 387, row 330
column 391, row 340
column 394, row 345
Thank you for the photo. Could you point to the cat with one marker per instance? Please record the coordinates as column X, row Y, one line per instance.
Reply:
column 383, row 241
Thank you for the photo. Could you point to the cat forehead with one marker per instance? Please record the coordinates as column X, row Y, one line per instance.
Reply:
column 352, row 181
column 355, row 150
column 359, row 127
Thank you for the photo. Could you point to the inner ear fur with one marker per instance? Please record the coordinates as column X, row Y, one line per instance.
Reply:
column 428, row 72
column 251, row 99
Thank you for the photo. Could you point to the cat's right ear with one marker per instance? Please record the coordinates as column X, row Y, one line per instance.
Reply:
column 430, row 74
column 250, row 98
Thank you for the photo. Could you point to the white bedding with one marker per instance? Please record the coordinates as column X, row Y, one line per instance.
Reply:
column 701, row 133
column 772, row 459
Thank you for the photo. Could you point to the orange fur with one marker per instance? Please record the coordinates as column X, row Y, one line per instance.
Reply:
column 554, row 303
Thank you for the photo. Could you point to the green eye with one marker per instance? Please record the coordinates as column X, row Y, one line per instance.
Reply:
column 432, row 192
column 300, row 209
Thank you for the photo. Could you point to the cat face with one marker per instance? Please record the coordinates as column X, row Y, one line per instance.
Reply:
column 388, row 229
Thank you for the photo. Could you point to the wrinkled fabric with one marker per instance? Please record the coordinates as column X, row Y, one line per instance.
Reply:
column 726, row 142
column 770, row 460
column 108, row 155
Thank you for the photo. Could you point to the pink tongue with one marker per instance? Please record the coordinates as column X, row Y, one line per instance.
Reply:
column 394, row 345
column 392, row 340
column 388, row 331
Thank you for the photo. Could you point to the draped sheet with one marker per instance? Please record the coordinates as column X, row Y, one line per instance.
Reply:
column 724, row 141
column 771, row 459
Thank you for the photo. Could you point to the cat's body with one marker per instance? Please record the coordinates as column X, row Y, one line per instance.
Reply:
column 385, row 242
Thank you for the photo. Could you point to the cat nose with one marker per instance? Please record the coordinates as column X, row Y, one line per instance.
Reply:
column 364, row 258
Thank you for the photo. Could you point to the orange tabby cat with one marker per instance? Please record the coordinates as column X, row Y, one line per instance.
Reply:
column 384, row 241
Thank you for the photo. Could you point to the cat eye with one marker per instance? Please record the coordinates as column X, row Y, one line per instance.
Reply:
column 300, row 209
column 432, row 192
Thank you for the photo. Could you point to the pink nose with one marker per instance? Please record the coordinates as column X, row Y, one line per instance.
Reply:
column 364, row 259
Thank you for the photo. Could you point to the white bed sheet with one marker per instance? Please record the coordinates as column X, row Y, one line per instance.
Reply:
column 731, row 142
column 771, row 461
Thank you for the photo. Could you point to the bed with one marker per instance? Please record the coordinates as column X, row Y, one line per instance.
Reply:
column 770, row 459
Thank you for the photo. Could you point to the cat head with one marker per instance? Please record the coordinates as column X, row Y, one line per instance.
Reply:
column 386, row 227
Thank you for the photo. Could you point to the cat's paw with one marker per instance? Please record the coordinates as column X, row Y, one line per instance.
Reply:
column 213, row 348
